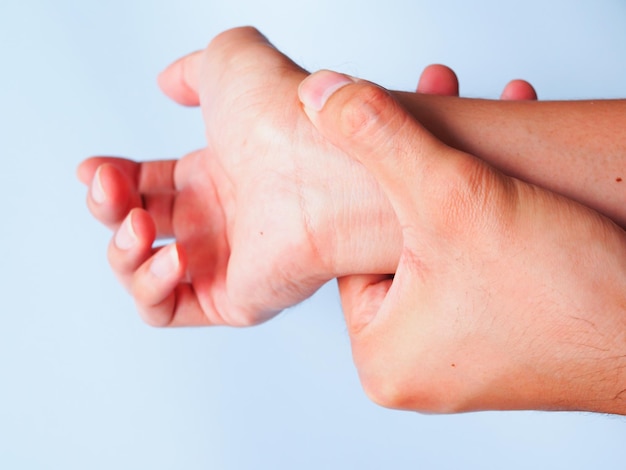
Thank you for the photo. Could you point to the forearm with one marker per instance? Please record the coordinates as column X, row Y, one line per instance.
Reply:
column 575, row 148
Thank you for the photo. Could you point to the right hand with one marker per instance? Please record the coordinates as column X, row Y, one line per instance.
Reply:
column 506, row 296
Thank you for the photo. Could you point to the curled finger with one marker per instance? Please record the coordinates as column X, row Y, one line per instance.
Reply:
column 131, row 245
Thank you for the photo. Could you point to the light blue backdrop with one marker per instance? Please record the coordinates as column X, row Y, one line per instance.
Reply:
column 85, row 385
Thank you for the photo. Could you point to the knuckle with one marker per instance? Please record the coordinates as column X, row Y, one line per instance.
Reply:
column 382, row 376
column 408, row 391
column 244, row 309
column 236, row 48
column 234, row 34
column 364, row 111
column 471, row 197
column 412, row 382
column 385, row 391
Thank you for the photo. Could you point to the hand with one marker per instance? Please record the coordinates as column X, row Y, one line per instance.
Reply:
column 262, row 217
column 506, row 296
column 209, row 276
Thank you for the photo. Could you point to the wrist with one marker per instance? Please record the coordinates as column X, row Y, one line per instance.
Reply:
column 365, row 233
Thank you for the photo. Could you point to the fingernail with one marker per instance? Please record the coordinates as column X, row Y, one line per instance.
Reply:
column 165, row 262
column 97, row 192
column 125, row 238
column 315, row 90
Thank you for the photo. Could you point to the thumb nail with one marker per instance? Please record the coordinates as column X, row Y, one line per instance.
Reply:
column 315, row 90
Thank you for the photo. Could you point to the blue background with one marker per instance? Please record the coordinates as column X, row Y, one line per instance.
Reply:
column 85, row 385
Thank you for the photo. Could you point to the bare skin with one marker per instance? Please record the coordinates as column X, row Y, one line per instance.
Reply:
column 250, row 216
column 441, row 80
column 261, row 222
column 506, row 296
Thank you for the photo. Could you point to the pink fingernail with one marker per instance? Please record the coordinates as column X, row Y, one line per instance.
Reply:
column 315, row 90
column 125, row 238
column 97, row 191
column 165, row 262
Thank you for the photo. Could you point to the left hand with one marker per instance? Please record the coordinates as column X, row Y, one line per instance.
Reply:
column 438, row 79
column 262, row 217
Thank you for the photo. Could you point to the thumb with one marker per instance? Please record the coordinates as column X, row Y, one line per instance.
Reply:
column 182, row 80
column 179, row 81
column 368, row 124
column 361, row 298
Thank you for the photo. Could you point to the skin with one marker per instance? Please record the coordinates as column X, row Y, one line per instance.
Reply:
column 208, row 201
column 506, row 296
column 259, row 224
column 247, row 214
column 441, row 80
